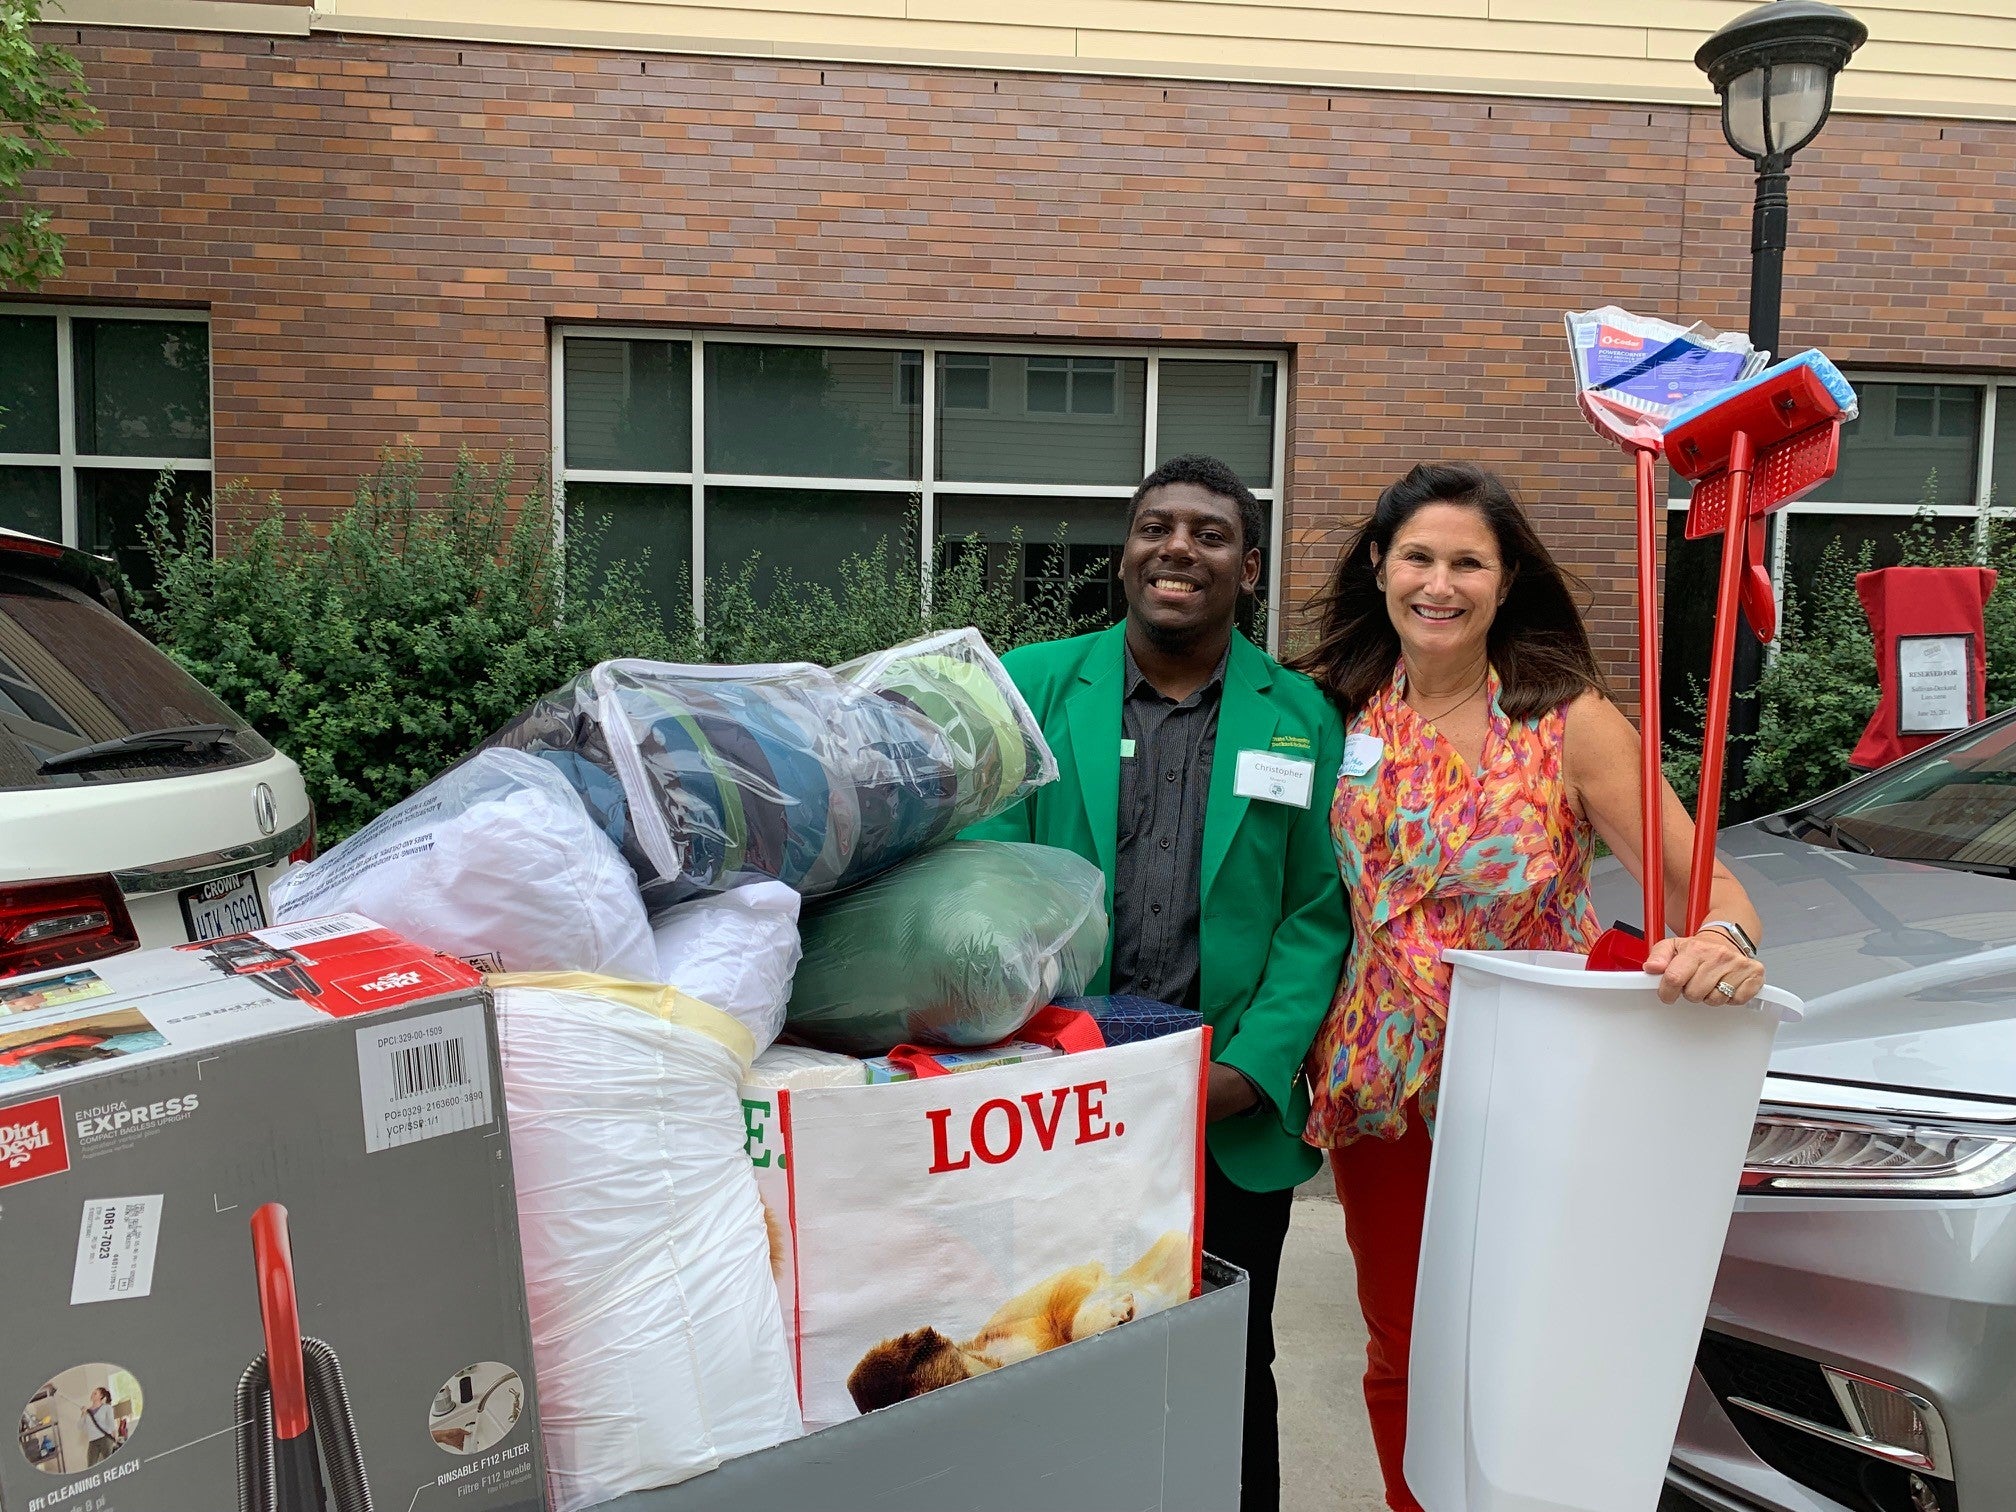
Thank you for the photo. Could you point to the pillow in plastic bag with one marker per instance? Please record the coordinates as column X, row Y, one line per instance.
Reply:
column 712, row 777
column 959, row 946
column 659, row 1345
column 736, row 951
column 495, row 861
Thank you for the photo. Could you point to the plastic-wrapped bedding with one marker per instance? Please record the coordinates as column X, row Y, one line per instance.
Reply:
column 711, row 777
column 735, row 950
column 494, row 861
column 959, row 946
column 655, row 1329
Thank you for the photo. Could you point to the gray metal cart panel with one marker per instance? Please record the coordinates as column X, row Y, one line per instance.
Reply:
column 1143, row 1418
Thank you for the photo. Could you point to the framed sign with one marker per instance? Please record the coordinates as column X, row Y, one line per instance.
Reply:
column 1935, row 684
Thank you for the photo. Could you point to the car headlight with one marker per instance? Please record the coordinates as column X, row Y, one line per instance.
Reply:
column 1821, row 1153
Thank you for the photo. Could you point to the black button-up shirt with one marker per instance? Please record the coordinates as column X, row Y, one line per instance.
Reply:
column 1158, row 860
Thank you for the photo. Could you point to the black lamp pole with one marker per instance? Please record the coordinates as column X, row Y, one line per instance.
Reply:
column 1774, row 69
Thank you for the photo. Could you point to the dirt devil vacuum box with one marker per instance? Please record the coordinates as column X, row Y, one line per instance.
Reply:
column 258, row 1234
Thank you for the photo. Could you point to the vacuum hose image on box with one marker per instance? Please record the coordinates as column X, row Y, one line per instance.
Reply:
column 291, row 1397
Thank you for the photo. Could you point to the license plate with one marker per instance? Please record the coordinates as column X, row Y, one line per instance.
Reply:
column 227, row 906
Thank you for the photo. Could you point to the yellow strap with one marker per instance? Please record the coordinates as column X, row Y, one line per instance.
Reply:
column 666, row 1003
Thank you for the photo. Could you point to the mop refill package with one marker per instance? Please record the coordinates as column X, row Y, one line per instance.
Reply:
column 258, row 1212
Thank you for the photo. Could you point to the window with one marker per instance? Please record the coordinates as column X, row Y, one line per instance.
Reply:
column 1071, row 385
column 1949, row 444
column 692, row 454
column 967, row 381
column 94, row 405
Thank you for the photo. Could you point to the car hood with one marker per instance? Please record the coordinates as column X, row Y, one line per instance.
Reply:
column 1907, row 972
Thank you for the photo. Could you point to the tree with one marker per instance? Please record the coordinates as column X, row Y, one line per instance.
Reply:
column 41, row 100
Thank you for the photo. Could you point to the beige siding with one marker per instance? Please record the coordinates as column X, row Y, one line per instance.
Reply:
column 1957, row 59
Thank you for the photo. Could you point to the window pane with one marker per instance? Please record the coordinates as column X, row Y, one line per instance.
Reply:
column 28, row 384
column 965, row 381
column 1093, row 381
column 648, row 525
column 1905, row 434
column 31, row 499
column 1686, row 636
column 807, row 532
column 1223, row 409
column 143, row 388
column 1048, row 387
column 2002, row 479
column 1032, row 431
column 1094, row 529
column 73, row 674
column 629, row 404
column 112, row 513
column 834, row 412
column 1811, row 534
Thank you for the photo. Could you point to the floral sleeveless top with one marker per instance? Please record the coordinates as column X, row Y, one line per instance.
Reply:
column 1436, row 857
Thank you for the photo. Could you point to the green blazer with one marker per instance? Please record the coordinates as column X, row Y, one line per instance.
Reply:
column 1274, row 930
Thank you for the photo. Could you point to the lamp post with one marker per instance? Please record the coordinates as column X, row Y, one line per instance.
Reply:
column 1774, row 68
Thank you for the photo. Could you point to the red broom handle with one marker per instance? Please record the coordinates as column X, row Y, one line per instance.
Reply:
column 1721, row 678
column 1650, row 776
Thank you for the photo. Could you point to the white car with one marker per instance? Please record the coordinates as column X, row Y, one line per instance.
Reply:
column 135, row 808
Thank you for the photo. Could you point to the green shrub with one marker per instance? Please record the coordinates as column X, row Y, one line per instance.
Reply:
column 1819, row 688
column 379, row 651
column 1817, row 692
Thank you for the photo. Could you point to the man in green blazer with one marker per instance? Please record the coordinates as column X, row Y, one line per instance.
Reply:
column 1198, row 773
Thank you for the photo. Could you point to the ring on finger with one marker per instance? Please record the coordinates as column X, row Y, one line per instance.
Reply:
column 1726, row 991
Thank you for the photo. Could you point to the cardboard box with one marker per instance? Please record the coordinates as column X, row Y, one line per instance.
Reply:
column 333, row 1090
column 1147, row 1416
column 879, row 1069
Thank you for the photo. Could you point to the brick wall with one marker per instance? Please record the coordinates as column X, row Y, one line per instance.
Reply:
column 383, row 229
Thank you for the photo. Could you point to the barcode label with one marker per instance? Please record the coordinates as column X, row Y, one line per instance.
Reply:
column 426, row 1068
column 284, row 935
column 423, row 1077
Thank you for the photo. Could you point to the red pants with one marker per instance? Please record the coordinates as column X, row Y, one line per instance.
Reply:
column 1383, row 1186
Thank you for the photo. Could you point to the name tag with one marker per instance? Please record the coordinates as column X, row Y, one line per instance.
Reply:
column 1361, row 754
column 1274, row 779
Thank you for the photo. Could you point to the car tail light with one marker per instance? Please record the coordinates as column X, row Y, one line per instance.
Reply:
column 305, row 851
column 1818, row 1155
column 46, row 924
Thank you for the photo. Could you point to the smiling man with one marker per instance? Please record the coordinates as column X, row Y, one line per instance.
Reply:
column 1198, row 772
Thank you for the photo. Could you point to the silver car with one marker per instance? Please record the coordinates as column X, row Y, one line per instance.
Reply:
column 1860, row 1351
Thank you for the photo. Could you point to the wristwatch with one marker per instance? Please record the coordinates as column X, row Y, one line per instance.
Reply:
column 1738, row 935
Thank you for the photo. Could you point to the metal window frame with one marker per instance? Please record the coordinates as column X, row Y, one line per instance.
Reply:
column 66, row 458
column 926, row 488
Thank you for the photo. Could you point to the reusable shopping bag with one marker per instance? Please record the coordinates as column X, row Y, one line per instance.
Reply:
column 956, row 1224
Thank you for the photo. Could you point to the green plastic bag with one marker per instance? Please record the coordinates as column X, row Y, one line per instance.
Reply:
column 960, row 946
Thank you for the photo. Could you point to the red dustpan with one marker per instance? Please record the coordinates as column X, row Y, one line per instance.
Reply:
column 1765, row 442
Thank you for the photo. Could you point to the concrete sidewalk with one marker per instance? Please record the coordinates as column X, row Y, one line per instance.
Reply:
column 1327, row 1463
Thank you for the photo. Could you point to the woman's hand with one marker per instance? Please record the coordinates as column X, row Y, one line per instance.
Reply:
column 1704, row 968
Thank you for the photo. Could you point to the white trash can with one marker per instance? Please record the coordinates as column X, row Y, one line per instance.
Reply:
column 1588, row 1146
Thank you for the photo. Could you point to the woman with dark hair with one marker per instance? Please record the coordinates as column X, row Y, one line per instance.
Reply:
column 1482, row 762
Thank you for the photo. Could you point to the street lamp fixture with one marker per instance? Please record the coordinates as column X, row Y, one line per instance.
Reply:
column 1774, row 68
